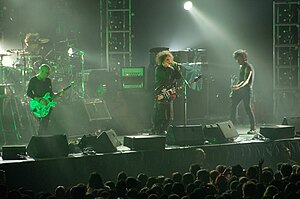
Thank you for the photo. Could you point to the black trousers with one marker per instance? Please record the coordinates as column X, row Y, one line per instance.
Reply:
column 244, row 95
column 43, row 124
column 162, row 118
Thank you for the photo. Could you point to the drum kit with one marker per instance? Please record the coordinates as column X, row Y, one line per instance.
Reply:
column 34, row 53
column 14, row 78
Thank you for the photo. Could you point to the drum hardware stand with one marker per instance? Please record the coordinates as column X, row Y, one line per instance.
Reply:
column 82, row 74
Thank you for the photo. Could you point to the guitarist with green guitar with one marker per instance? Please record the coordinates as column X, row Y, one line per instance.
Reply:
column 41, row 94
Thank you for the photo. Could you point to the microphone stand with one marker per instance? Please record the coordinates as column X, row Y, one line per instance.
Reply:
column 185, row 84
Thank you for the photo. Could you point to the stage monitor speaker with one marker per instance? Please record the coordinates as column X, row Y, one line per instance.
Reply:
column 103, row 143
column 142, row 142
column 185, row 135
column 221, row 132
column 292, row 121
column 13, row 152
column 275, row 132
column 48, row 146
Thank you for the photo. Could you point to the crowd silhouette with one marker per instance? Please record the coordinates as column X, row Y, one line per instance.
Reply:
column 222, row 182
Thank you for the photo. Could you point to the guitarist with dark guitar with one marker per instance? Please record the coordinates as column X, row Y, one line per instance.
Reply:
column 41, row 94
column 166, row 74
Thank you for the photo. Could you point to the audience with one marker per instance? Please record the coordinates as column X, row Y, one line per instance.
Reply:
column 223, row 182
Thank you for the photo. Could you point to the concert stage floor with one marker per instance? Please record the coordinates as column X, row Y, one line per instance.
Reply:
column 46, row 174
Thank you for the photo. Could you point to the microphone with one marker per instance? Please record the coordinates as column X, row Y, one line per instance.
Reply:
column 176, row 65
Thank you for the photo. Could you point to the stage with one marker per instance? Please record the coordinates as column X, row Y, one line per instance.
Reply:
column 47, row 173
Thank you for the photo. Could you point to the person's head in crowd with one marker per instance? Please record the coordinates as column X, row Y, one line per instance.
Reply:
column 286, row 170
column 142, row 177
column 267, row 177
column 277, row 176
column 243, row 180
column 290, row 189
column 132, row 193
column 153, row 196
column 187, row 178
column 151, row 181
column 177, row 177
column 213, row 175
column 173, row 196
column 121, row 188
column 200, row 157
column 190, row 188
column 157, row 189
column 160, row 179
column 234, row 185
column 203, row 176
column 60, row 192
column 237, row 170
column 252, row 173
column 131, row 182
column 221, row 183
column 194, row 168
column 178, row 189
column 110, row 184
column 168, row 188
column 220, row 168
column 249, row 190
column 95, row 181
column 168, row 180
column 78, row 191
column 121, row 176
column 270, row 191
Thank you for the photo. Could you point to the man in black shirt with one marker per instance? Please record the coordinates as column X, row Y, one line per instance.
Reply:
column 243, row 89
column 166, row 73
column 38, row 86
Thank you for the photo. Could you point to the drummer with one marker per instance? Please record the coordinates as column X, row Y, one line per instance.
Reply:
column 33, row 43
column 34, row 47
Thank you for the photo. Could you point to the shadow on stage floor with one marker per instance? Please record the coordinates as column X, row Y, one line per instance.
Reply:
column 47, row 173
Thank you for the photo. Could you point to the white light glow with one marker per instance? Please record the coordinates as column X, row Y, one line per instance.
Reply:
column 188, row 5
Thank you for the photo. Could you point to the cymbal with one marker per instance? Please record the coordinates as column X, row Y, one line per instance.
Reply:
column 4, row 54
column 43, row 40
column 17, row 51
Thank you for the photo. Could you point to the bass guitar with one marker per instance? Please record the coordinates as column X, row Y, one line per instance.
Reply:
column 233, row 81
column 169, row 94
column 41, row 110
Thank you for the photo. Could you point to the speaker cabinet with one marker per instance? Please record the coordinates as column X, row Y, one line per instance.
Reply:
column 97, row 109
column 102, row 143
column 221, row 132
column 185, row 135
column 48, row 146
column 274, row 132
column 13, row 152
column 142, row 142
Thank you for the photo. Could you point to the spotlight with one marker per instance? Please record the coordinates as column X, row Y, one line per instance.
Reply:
column 188, row 5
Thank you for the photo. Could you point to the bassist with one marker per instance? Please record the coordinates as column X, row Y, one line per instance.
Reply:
column 242, row 91
column 38, row 86
column 166, row 73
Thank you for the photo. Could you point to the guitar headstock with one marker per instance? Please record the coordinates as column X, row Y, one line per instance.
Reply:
column 73, row 83
column 197, row 77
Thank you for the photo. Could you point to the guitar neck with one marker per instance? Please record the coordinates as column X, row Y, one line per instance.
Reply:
column 61, row 91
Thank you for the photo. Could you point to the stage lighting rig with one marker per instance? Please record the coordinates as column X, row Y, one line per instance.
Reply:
column 116, row 34
column 286, row 56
